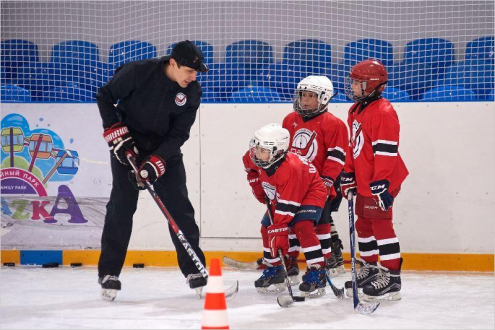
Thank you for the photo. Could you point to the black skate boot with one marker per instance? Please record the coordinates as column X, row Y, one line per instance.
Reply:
column 196, row 282
column 335, row 264
column 366, row 273
column 272, row 276
column 292, row 270
column 314, row 280
column 385, row 287
column 109, row 286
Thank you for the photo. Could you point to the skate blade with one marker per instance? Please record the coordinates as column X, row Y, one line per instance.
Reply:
column 348, row 293
column 320, row 292
column 334, row 272
column 108, row 294
column 199, row 291
column 394, row 296
column 274, row 288
column 294, row 280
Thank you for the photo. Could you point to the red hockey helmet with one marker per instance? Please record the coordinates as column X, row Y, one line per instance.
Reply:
column 372, row 76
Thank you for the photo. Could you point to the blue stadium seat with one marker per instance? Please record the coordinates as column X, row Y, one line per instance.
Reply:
column 481, row 49
column 252, row 55
column 209, row 96
column 363, row 49
column 340, row 98
column 435, row 52
column 75, row 52
column 224, row 79
column 415, row 78
column 3, row 76
column 255, row 94
column 130, row 50
column 282, row 78
column 394, row 94
column 206, row 49
column 311, row 55
column 93, row 77
column 476, row 75
column 40, row 77
column 16, row 53
column 68, row 94
column 449, row 93
column 11, row 93
column 491, row 96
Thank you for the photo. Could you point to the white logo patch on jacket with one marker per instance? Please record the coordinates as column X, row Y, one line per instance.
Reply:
column 180, row 99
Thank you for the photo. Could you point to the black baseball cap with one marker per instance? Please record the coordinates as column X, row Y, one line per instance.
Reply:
column 188, row 54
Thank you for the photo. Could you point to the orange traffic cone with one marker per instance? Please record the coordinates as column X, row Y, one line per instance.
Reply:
column 215, row 311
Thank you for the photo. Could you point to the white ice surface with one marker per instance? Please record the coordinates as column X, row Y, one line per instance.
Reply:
column 158, row 298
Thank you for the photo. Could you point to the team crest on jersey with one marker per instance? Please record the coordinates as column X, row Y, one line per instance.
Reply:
column 180, row 99
column 269, row 190
column 357, row 139
column 305, row 144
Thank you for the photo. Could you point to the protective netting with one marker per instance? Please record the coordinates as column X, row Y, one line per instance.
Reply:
column 257, row 50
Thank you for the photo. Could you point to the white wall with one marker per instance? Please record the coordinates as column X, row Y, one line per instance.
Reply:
column 446, row 204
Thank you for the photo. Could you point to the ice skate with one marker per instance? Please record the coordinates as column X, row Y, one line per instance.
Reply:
column 109, row 286
column 196, row 282
column 385, row 287
column 271, row 281
column 367, row 272
column 314, row 282
column 292, row 270
column 335, row 264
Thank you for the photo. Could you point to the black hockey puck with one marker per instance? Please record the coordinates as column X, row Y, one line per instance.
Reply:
column 51, row 265
column 9, row 264
column 138, row 265
column 75, row 264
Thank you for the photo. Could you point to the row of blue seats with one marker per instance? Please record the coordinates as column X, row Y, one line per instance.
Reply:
column 429, row 65
column 251, row 94
column 223, row 80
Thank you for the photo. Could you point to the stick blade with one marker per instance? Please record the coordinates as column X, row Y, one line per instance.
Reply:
column 240, row 264
column 285, row 301
column 230, row 292
column 339, row 293
column 363, row 308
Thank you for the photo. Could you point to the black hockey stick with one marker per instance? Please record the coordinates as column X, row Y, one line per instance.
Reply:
column 171, row 222
column 283, row 301
column 359, row 307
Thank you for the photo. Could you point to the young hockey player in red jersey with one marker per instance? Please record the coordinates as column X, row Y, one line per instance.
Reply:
column 297, row 196
column 374, row 171
column 322, row 138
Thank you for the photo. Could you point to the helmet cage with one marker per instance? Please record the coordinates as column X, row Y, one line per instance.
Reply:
column 276, row 152
column 369, row 88
column 324, row 95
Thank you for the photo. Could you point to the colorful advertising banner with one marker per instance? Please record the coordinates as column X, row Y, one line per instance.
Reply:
column 46, row 192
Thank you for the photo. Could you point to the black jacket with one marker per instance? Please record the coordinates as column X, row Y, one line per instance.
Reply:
column 150, row 105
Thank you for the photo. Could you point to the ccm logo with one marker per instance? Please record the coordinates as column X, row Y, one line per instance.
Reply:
column 382, row 186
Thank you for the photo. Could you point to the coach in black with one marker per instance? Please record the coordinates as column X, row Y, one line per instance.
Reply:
column 148, row 108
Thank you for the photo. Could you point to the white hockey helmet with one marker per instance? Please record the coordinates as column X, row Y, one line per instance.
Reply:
column 272, row 137
column 321, row 86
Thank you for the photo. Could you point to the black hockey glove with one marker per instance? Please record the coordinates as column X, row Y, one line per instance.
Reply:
column 152, row 169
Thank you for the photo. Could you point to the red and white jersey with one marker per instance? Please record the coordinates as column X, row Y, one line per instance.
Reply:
column 374, row 146
column 323, row 140
column 294, row 183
